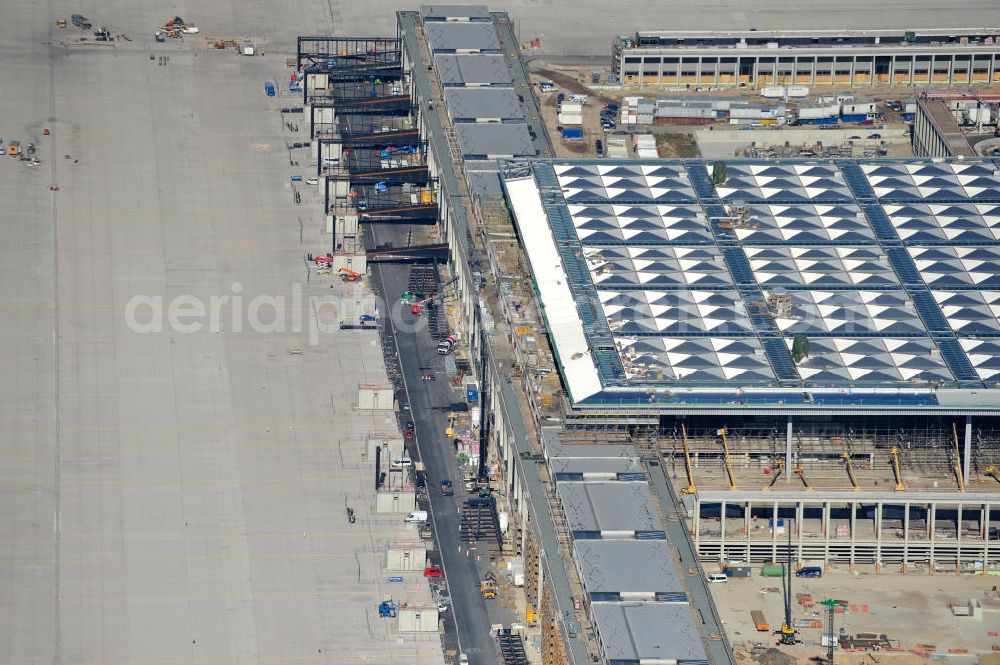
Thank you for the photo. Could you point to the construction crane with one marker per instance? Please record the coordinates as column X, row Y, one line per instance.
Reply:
column 687, row 462
column 850, row 471
column 779, row 467
column 801, row 473
column 729, row 462
column 958, row 459
column 900, row 486
column 831, row 611
column 787, row 633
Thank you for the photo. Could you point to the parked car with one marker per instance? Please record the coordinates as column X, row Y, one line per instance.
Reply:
column 433, row 571
column 599, row 144
column 81, row 22
column 613, row 108
column 312, row 181
column 874, row 136
column 447, row 488
column 853, row 137
column 401, row 463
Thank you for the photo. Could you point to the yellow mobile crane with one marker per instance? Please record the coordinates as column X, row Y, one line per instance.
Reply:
column 850, row 470
column 687, row 462
column 449, row 431
column 900, row 486
column 801, row 473
column 729, row 462
column 958, row 460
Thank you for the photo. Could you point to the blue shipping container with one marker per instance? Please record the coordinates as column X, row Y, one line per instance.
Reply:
column 572, row 132
column 818, row 121
column 855, row 117
column 471, row 394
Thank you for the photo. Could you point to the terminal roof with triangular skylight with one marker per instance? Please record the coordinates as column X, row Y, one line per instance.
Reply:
column 811, row 283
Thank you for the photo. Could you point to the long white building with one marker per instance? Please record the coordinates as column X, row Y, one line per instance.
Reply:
column 817, row 57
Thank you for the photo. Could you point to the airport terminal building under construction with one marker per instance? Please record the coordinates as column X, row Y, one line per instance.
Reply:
column 812, row 58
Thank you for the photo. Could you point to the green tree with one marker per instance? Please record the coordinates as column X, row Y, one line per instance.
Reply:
column 718, row 173
column 800, row 348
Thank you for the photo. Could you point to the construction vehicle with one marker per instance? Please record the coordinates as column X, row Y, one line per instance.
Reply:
column 850, row 471
column 488, row 587
column 348, row 275
column 387, row 609
column 449, row 431
column 900, row 486
column 14, row 148
column 787, row 634
column 446, row 345
column 80, row 21
column 690, row 489
column 729, row 461
column 417, row 308
column 994, row 472
column 801, row 473
column 958, row 460
column 779, row 466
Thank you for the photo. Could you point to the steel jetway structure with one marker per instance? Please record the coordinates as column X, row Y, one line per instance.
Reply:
column 326, row 60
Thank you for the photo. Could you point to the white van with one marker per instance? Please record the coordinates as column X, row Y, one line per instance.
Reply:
column 463, row 659
column 401, row 463
column 716, row 578
column 416, row 516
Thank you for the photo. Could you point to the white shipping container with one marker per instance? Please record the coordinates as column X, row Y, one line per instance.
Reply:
column 572, row 107
column 814, row 112
column 798, row 91
column 618, row 152
column 647, row 153
column 773, row 91
column 645, row 140
column 570, row 119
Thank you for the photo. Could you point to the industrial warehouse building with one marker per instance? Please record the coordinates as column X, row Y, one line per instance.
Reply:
column 810, row 58
column 833, row 324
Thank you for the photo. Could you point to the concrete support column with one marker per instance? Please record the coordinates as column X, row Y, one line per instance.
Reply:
column 774, row 532
column 722, row 534
column 746, row 519
column 695, row 527
column 985, row 523
column 931, row 536
column 854, row 537
column 906, row 536
column 826, row 533
column 800, row 510
column 958, row 538
column 788, row 451
column 968, row 447
column 878, row 537
column 854, row 64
